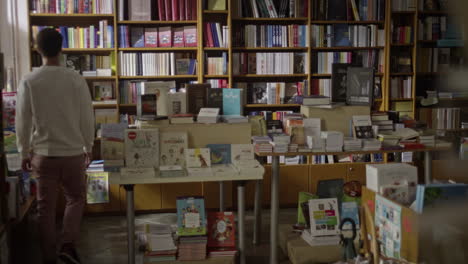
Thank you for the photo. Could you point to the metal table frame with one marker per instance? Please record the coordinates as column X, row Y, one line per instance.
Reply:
column 275, row 177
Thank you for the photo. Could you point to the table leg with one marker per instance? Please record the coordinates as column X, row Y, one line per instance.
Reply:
column 427, row 167
column 221, row 196
column 130, row 223
column 241, row 219
column 274, row 210
column 258, row 212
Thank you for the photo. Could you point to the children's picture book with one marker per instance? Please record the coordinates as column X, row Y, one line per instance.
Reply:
column 221, row 230
column 324, row 217
column 220, row 153
column 142, row 148
column 9, row 109
column 98, row 188
column 242, row 152
column 112, row 149
column 198, row 158
column 304, row 197
column 191, row 216
column 173, row 146
column 350, row 210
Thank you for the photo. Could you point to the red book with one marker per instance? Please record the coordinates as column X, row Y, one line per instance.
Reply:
column 151, row 37
column 209, row 36
column 190, row 36
column 194, row 9
column 167, row 5
column 165, row 37
column 161, row 10
column 178, row 37
column 182, row 10
column 187, row 9
column 221, row 229
column 175, row 10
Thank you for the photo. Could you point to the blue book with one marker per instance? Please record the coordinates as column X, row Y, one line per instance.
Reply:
column 341, row 38
column 232, row 101
column 220, row 153
column 191, row 216
column 435, row 195
column 64, row 33
column 350, row 210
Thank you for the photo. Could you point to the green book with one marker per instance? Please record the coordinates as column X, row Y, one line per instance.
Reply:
column 304, row 197
column 216, row 4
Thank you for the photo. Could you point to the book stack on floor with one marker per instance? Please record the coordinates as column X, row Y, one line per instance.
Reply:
column 222, row 235
column 159, row 244
column 323, row 220
column 191, row 228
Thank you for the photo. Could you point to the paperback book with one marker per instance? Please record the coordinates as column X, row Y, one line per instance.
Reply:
column 221, row 230
column 142, row 148
column 324, row 217
column 191, row 217
column 173, row 146
column 198, row 158
column 220, row 153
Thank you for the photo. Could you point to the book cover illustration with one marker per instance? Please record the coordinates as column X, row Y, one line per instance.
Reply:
column 103, row 91
column 98, row 188
column 324, row 217
column 9, row 109
column 112, row 149
column 388, row 226
column 142, row 148
column 242, row 152
column 215, row 99
column 304, row 197
column 232, row 101
column 151, row 37
column 221, row 229
column 360, row 86
column 196, row 97
column 177, row 103
column 220, row 153
column 341, row 38
column 165, row 37
column 173, row 146
column 191, row 216
column 198, row 158
column 259, row 93
column 137, row 37
column 161, row 90
column 350, row 210
column 339, row 81
column 147, row 106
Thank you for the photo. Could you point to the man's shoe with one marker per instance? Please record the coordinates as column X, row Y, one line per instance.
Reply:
column 68, row 255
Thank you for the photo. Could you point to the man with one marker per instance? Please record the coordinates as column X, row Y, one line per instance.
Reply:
column 55, row 134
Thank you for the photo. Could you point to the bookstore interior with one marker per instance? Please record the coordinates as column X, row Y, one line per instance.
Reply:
column 343, row 124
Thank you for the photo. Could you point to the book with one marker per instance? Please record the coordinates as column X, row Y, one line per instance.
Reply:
column 316, row 241
column 97, row 187
column 137, row 37
column 216, row 5
column 196, row 95
column 178, row 37
column 177, row 103
column 324, row 217
column 190, row 36
column 339, row 82
column 242, row 152
column 303, row 217
column 182, row 119
column 360, row 86
column 362, row 127
column 142, row 148
column 313, row 100
column 146, row 106
column 337, row 10
column 378, row 175
column 350, row 210
column 221, row 230
column 220, row 153
column 198, row 158
column 341, row 36
column 161, row 90
column 215, row 99
column 232, row 101
column 103, row 91
column 191, row 216
column 165, row 37
column 139, row 10
column 173, row 146
column 208, row 115
column 151, row 37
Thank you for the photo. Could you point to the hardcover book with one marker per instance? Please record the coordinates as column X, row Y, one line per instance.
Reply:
column 360, row 86
column 165, row 37
column 337, row 10
column 196, row 95
column 178, row 37
column 215, row 99
column 97, row 188
column 151, row 37
column 139, row 10
column 142, row 148
column 198, row 158
column 339, row 82
column 350, row 210
column 191, row 216
column 161, row 90
column 177, row 103
column 341, row 36
column 232, row 101
column 190, row 36
column 183, row 67
column 103, row 91
column 324, row 217
column 220, row 153
column 137, row 37
column 221, row 230
column 146, row 106
column 173, row 146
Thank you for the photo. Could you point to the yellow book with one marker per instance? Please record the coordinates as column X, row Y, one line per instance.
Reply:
column 216, row 4
column 82, row 42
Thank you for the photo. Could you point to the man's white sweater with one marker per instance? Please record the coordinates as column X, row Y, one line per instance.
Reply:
column 54, row 113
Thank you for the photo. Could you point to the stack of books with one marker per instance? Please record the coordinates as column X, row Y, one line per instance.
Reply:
column 160, row 244
column 235, row 119
column 181, row 119
column 333, row 141
column 382, row 121
column 428, row 141
column 171, row 171
column 371, row 144
column 293, row 147
column 96, row 166
column 222, row 238
column 192, row 247
column 262, row 144
column 280, row 143
column 352, row 144
column 208, row 115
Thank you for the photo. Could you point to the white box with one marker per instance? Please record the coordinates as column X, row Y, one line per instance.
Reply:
column 378, row 175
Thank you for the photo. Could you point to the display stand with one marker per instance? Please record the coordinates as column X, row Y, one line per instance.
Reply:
column 275, row 183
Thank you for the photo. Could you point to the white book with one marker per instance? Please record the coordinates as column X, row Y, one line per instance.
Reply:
column 173, row 146
column 142, row 148
column 198, row 158
column 224, row 170
column 315, row 241
column 161, row 89
column 177, row 103
column 242, row 152
column 378, row 175
column 324, row 217
column 199, row 172
column 137, row 173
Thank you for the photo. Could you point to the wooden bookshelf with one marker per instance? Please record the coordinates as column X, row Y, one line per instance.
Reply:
column 345, row 48
column 104, row 106
column 403, row 12
column 433, row 13
column 270, row 49
column 159, row 77
column 100, row 78
column 327, row 75
column 216, row 76
column 127, row 105
column 395, row 74
column 166, row 49
column 154, row 22
column 331, row 22
column 216, row 12
column 402, row 44
column 215, row 49
column 85, row 16
column 272, row 105
column 84, row 50
column 256, row 76
column 272, row 20
column 401, row 99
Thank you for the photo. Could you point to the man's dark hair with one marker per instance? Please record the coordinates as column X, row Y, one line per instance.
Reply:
column 49, row 42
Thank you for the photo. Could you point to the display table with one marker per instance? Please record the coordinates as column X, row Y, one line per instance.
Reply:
column 275, row 185
column 128, row 182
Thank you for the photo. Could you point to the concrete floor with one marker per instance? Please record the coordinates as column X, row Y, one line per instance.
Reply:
column 104, row 239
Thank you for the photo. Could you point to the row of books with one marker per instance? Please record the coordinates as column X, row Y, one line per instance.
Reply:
column 440, row 118
column 151, row 37
column 401, row 87
column 401, row 61
column 217, row 65
column 156, row 64
column 161, row 10
column 271, row 93
column 439, row 59
column 253, row 36
column 216, row 35
column 86, row 65
column 343, row 35
column 270, row 63
column 432, row 28
column 273, row 8
column 103, row 92
column 404, row 5
column 218, row 83
column 352, row 10
column 331, row 159
column 72, row 6
column 325, row 60
column 433, row 5
column 101, row 36
column 403, row 35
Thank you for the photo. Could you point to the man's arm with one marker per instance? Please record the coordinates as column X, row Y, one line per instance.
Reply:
column 24, row 120
column 86, row 115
